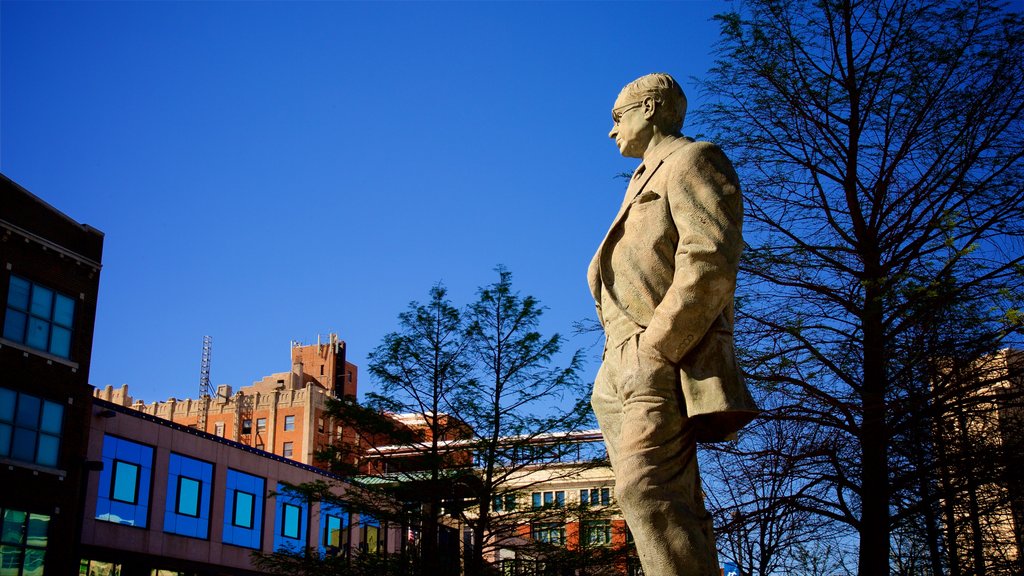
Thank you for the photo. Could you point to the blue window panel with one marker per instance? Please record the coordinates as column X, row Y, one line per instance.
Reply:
column 38, row 333
column 53, row 416
column 189, row 487
column 28, row 411
column 60, row 342
column 125, row 484
column 63, row 310
column 46, row 454
column 536, row 499
column 245, row 504
column 7, row 401
column 14, row 325
column 243, row 500
column 5, row 439
column 290, row 520
column 24, row 446
column 17, row 295
column 125, row 461
column 39, row 317
column 42, row 302
column 188, row 496
column 333, row 525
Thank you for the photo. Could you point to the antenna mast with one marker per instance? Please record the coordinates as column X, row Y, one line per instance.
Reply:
column 204, row 383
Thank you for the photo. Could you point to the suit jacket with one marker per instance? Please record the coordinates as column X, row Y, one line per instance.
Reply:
column 669, row 264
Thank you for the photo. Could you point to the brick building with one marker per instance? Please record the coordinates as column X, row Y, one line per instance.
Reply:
column 49, row 279
column 283, row 413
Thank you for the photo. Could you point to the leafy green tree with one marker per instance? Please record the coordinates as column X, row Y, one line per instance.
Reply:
column 517, row 399
column 879, row 145
column 422, row 370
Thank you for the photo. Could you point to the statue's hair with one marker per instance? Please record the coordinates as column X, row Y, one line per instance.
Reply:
column 667, row 92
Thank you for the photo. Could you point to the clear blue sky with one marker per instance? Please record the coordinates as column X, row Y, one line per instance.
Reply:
column 265, row 171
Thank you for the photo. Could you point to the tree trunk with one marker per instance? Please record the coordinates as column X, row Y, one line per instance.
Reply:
column 874, row 525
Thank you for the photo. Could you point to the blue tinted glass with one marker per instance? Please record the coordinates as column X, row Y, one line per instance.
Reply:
column 48, row 447
column 53, row 414
column 188, row 496
column 24, row 447
column 37, row 527
column 5, row 439
column 10, row 560
column 17, row 296
column 606, row 496
column 28, row 411
column 548, row 498
column 42, row 302
column 38, row 333
column 14, row 325
column 333, row 536
column 536, row 499
column 60, row 342
column 7, row 398
column 243, row 509
column 63, row 310
column 126, row 478
column 13, row 531
column 559, row 498
column 292, row 518
column 33, row 562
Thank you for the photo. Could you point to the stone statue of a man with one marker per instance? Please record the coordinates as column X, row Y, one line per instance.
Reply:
column 663, row 280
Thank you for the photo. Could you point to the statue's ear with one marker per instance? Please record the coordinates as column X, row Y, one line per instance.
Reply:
column 648, row 106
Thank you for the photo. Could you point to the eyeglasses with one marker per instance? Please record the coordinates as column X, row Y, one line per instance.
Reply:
column 618, row 112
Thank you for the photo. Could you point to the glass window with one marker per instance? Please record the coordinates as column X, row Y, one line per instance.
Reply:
column 332, row 531
column 244, row 506
column 189, row 493
column 289, row 423
column 243, row 517
column 536, row 499
column 125, row 484
column 290, row 526
column 218, row 429
column 246, row 426
column 30, row 428
column 261, row 424
column 22, row 542
column 188, row 496
column 548, row 532
column 597, row 532
column 286, row 449
column 606, row 496
column 39, row 317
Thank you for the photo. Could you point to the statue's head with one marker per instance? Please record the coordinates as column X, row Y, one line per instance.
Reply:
column 651, row 103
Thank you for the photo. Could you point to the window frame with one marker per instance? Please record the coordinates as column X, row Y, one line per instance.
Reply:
column 327, row 531
column 199, row 497
column 289, row 423
column 38, row 428
column 287, row 449
column 286, row 509
column 114, row 484
column 252, row 509
column 29, row 314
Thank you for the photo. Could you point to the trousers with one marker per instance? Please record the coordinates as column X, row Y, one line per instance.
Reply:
column 653, row 452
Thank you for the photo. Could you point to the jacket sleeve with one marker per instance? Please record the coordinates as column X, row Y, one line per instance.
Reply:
column 707, row 210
